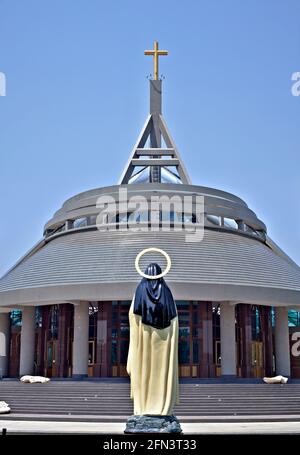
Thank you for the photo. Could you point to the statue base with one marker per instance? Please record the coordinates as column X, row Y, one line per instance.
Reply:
column 152, row 424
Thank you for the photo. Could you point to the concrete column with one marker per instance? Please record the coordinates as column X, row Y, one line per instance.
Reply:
column 81, row 340
column 228, row 346
column 27, row 341
column 4, row 344
column 282, row 342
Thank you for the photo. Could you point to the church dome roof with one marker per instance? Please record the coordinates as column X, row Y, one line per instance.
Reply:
column 93, row 265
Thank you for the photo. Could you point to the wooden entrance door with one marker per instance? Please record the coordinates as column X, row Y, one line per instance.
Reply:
column 51, row 358
column 195, row 339
column 257, row 363
column 119, row 337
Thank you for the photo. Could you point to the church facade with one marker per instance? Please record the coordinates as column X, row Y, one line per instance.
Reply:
column 64, row 305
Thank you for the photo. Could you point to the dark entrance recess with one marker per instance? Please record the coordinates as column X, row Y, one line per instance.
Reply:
column 199, row 340
column 254, row 341
column 54, row 340
column 195, row 339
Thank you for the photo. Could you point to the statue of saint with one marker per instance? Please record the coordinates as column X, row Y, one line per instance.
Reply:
column 153, row 350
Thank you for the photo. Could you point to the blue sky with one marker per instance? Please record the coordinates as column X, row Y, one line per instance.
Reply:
column 77, row 96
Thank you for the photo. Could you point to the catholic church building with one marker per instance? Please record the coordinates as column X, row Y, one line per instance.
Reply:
column 64, row 305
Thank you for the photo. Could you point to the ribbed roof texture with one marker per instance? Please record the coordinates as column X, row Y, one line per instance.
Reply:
column 108, row 257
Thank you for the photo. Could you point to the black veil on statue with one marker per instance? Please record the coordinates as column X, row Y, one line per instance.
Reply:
column 153, row 300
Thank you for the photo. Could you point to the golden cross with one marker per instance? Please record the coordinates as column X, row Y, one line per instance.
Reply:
column 156, row 53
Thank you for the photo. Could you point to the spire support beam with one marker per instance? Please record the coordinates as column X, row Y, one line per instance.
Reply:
column 155, row 135
column 155, row 97
column 155, row 152
column 156, row 162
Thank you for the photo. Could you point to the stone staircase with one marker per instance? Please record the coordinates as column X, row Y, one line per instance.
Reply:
column 109, row 400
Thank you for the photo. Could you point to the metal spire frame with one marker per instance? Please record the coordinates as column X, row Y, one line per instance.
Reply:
column 155, row 157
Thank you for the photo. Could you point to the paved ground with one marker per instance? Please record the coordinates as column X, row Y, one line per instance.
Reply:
column 38, row 427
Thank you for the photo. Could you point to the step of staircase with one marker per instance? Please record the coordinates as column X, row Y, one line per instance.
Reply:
column 109, row 401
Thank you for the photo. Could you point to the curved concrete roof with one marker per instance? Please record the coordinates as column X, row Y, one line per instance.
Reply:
column 93, row 265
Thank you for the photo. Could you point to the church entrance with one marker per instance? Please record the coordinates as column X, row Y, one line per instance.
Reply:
column 195, row 339
column 254, row 341
column 119, row 337
column 257, row 363
column 51, row 358
column 54, row 338
column 199, row 340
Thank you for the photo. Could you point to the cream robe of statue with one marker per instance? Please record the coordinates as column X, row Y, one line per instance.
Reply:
column 153, row 366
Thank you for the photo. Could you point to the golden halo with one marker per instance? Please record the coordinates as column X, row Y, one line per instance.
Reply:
column 153, row 277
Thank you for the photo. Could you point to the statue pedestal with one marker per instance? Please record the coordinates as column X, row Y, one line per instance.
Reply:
column 152, row 424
